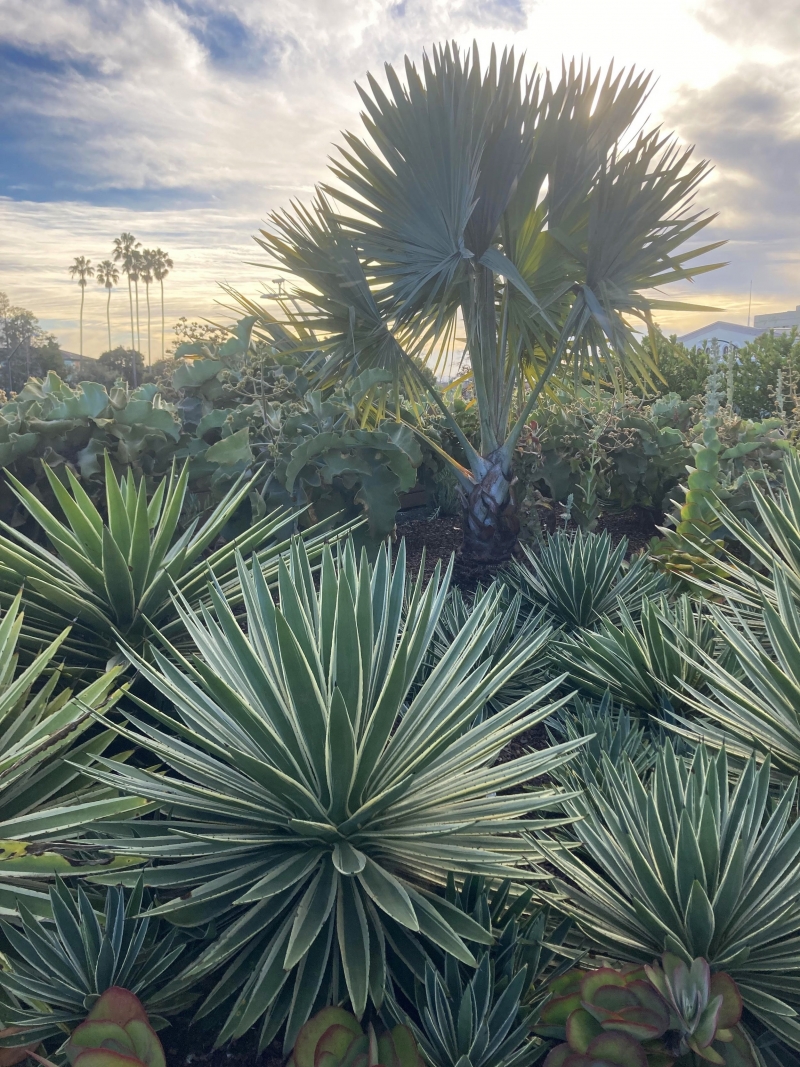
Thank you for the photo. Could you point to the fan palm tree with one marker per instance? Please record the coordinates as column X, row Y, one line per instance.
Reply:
column 146, row 277
column 108, row 275
column 82, row 269
column 522, row 209
column 135, row 273
column 161, row 266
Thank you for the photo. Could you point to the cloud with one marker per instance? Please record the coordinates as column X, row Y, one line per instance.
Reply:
column 187, row 121
column 749, row 22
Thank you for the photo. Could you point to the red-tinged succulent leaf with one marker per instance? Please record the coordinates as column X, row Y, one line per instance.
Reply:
column 567, row 983
column 306, row 1044
column 581, row 1028
column 739, row 1052
column 98, row 1033
column 103, row 1057
column 146, row 1044
column 707, row 1024
column 557, row 1056
column 387, row 1057
column 558, row 1010
column 730, row 1014
column 119, row 1006
column 357, row 1053
column 618, row 1049
column 406, row 1048
column 603, row 976
column 336, row 1040
column 326, row 1059
column 706, row 1053
column 649, row 997
column 639, row 1022
column 612, row 998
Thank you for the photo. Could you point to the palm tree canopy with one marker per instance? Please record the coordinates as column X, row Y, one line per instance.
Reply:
column 107, row 274
column 513, row 204
column 161, row 264
column 81, row 268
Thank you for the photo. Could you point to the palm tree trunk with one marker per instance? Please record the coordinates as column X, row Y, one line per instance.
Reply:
column 491, row 524
column 83, row 294
column 108, row 318
column 161, row 282
column 149, row 336
column 130, row 300
column 138, row 326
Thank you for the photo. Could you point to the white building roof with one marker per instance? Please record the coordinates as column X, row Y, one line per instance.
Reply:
column 726, row 333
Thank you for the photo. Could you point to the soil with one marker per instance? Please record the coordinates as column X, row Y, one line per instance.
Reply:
column 190, row 1045
column 439, row 537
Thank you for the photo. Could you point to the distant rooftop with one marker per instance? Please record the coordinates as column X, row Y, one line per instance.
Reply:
column 779, row 320
column 725, row 333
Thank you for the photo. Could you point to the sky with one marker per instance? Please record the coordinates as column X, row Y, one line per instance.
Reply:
column 188, row 121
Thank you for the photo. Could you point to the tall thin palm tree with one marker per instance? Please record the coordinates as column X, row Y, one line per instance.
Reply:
column 108, row 275
column 146, row 277
column 124, row 248
column 162, row 265
column 134, row 273
column 81, row 269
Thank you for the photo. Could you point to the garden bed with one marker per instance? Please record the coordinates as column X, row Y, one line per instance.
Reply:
column 441, row 536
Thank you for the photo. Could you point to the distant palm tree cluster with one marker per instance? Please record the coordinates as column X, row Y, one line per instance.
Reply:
column 145, row 265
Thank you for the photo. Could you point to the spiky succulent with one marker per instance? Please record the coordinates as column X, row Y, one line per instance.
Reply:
column 308, row 807
column 582, row 578
column 696, row 866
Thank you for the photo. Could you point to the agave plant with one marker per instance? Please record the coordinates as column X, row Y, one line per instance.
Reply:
column 648, row 663
column 60, row 972
column 607, row 730
column 773, row 550
column 580, row 579
column 696, row 867
column 309, row 807
column 512, row 634
column 758, row 707
column 114, row 580
column 46, row 744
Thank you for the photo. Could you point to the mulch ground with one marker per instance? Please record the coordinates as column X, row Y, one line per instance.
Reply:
column 441, row 536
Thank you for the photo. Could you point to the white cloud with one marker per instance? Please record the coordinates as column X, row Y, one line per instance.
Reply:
column 201, row 116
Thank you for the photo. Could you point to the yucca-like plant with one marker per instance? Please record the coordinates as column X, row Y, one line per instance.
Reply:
column 44, row 753
column 646, row 663
column 775, row 549
column 758, row 706
column 60, row 970
column 696, row 866
column 308, row 806
column 514, row 632
column 606, row 729
column 110, row 579
column 579, row 579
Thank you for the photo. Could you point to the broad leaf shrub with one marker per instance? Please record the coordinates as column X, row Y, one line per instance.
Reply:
column 57, row 973
column 695, row 866
column 307, row 808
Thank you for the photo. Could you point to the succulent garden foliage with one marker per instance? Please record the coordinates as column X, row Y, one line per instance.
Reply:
column 695, row 866
column 307, row 806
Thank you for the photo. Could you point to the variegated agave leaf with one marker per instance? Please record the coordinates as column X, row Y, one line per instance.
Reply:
column 309, row 807
column 695, row 866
